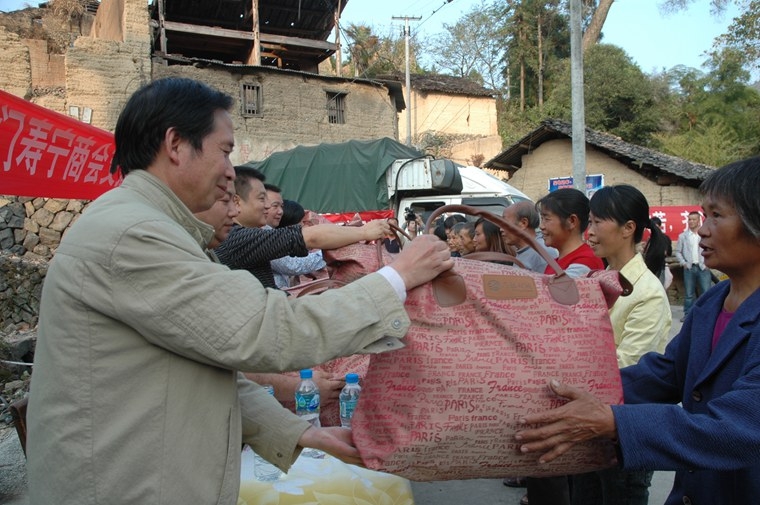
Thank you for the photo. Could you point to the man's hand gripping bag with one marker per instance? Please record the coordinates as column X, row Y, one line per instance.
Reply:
column 485, row 340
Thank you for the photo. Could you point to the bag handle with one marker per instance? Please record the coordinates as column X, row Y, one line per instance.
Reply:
column 494, row 257
column 379, row 243
column 396, row 230
column 561, row 286
column 320, row 285
column 474, row 211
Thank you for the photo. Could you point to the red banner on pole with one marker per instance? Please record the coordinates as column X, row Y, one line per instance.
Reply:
column 365, row 215
column 47, row 154
column 674, row 218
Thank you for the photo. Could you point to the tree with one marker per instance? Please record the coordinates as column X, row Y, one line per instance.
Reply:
column 474, row 47
column 717, row 6
column 537, row 33
column 744, row 32
column 712, row 143
column 744, row 35
column 371, row 54
column 620, row 98
column 362, row 47
column 718, row 111
column 599, row 12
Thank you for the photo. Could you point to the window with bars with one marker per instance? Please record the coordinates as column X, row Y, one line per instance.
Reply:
column 250, row 99
column 336, row 108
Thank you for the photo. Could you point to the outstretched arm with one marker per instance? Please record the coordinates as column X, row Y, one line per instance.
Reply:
column 298, row 265
column 248, row 247
column 331, row 236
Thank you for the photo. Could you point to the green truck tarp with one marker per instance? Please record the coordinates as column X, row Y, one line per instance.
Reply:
column 344, row 177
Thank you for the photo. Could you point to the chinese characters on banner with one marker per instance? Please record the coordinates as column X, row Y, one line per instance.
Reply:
column 46, row 154
column 674, row 218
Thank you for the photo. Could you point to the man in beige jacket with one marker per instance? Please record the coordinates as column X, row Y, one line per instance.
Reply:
column 136, row 394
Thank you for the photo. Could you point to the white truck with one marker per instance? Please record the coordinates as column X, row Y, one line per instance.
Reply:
column 422, row 185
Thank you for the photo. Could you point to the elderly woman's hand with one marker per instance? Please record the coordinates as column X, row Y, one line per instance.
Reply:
column 583, row 418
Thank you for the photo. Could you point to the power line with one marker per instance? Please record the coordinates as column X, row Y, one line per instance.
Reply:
column 445, row 2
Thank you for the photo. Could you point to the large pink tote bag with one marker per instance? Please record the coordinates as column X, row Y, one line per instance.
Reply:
column 485, row 340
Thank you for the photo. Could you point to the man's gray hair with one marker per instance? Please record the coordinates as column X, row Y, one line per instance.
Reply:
column 527, row 210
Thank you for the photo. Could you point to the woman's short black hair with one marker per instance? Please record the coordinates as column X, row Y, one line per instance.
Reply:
column 564, row 203
column 292, row 213
column 622, row 203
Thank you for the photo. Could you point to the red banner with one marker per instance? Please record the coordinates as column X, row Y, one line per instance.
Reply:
column 47, row 154
column 367, row 215
column 674, row 218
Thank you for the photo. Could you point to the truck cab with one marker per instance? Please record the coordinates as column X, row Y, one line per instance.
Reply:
column 423, row 185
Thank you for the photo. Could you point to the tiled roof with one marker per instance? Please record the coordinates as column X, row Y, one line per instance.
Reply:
column 443, row 84
column 636, row 157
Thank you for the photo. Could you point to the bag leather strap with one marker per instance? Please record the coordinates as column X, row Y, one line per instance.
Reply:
column 495, row 257
column 320, row 285
column 561, row 286
column 399, row 230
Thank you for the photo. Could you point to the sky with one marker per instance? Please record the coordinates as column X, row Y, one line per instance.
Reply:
column 653, row 39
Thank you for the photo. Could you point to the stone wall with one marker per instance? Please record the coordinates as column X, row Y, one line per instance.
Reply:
column 30, row 232
column 20, row 291
column 32, row 227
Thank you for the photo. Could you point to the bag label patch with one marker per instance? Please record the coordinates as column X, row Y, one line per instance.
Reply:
column 509, row 287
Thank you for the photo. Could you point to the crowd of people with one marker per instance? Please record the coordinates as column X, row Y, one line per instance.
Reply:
column 164, row 309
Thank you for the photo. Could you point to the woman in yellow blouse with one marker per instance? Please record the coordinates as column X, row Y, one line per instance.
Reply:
column 640, row 321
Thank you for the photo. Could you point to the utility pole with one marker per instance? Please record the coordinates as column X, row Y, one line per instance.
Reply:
column 338, row 62
column 576, row 80
column 407, row 34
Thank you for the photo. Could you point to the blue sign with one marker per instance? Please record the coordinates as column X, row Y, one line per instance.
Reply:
column 593, row 183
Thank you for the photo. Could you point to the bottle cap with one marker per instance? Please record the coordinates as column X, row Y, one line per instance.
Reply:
column 352, row 378
column 306, row 373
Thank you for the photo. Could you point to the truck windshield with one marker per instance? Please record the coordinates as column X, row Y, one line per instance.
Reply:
column 495, row 205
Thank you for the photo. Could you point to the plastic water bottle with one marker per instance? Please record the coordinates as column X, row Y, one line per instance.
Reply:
column 307, row 406
column 348, row 398
column 263, row 470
